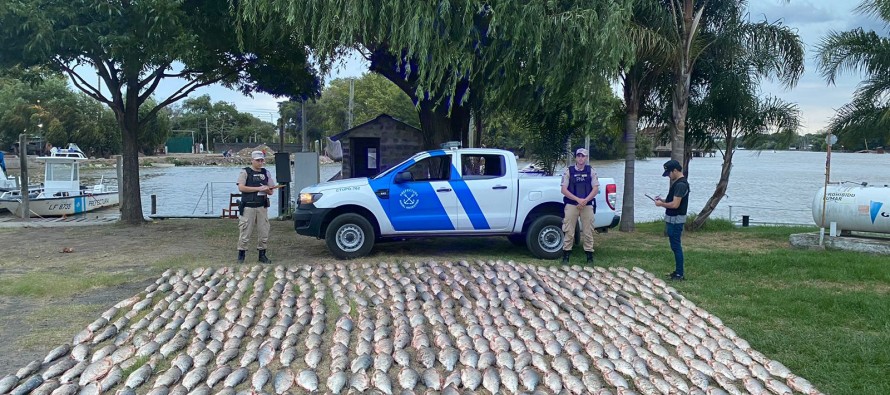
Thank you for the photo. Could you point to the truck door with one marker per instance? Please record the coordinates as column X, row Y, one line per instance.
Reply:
column 424, row 200
column 486, row 194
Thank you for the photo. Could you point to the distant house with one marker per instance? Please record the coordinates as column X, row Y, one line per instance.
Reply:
column 376, row 145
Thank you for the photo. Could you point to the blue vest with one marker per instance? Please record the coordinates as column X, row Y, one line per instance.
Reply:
column 255, row 179
column 580, row 185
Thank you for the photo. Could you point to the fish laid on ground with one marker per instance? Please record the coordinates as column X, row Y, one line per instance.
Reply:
column 95, row 371
column 432, row 379
column 167, row 378
column 111, row 379
column 236, row 377
column 491, row 380
column 360, row 381
column 530, row 378
column 7, row 383
column 283, row 381
column 66, row 389
column 194, row 377
column 73, row 373
column 27, row 385
column 139, row 376
column 260, row 378
column 55, row 353
column 382, row 382
column 337, row 381
column 56, row 369
column 408, row 378
column 217, row 375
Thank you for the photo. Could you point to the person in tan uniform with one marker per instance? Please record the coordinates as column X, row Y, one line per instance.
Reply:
column 256, row 186
column 580, row 185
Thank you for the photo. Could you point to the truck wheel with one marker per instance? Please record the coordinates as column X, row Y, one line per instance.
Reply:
column 544, row 237
column 517, row 240
column 350, row 236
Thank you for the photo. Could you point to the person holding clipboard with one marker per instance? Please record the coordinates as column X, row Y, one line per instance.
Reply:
column 256, row 186
column 675, row 213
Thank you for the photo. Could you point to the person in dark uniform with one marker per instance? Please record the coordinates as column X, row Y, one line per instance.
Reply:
column 580, row 185
column 675, row 213
column 256, row 185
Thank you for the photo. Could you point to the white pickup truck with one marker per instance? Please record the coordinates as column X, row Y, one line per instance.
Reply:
column 454, row 192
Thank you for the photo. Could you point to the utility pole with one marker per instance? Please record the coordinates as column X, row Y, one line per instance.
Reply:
column 303, row 137
column 207, row 131
column 349, row 113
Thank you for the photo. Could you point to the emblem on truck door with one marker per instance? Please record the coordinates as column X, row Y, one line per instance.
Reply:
column 408, row 199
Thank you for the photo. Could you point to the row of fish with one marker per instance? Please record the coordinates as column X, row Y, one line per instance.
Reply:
column 450, row 328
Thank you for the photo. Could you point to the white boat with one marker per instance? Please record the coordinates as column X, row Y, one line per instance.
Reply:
column 62, row 193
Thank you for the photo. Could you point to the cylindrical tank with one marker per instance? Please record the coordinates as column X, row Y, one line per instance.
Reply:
column 856, row 208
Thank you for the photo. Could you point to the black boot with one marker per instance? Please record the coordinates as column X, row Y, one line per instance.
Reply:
column 263, row 258
column 565, row 256
column 589, row 257
column 241, row 256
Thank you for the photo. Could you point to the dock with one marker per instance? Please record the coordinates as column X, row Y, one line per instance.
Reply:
column 11, row 221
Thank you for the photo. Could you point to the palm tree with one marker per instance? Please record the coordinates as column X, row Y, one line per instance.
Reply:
column 868, row 115
column 731, row 108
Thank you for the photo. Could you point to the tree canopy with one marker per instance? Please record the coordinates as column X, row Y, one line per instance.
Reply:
column 133, row 46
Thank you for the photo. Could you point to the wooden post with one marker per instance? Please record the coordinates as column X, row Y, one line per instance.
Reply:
column 25, row 206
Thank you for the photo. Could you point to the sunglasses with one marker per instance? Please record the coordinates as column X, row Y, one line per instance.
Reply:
column 577, row 155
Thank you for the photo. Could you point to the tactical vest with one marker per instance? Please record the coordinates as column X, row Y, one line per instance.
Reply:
column 580, row 185
column 255, row 179
column 681, row 210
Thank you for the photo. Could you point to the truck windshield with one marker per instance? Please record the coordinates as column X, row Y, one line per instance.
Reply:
column 390, row 170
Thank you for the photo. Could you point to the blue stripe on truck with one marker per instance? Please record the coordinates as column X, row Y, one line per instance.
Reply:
column 467, row 200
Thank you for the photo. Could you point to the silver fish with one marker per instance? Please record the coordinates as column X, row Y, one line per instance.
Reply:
column 382, row 382
column 7, row 383
column 96, row 371
column 361, row 363
column 27, row 385
column 80, row 352
column 66, row 389
column 491, row 380
column 56, row 369
column 432, row 379
column 509, row 379
column 217, row 375
column 283, row 381
column 408, row 378
column 167, row 378
column 553, row 381
column 530, row 378
column 139, row 376
column 286, row 356
column 260, row 378
column 337, row 381
column 56, row 353
column 236, row 377
column 360, row 381
column 90, row 389
column 313, row 358
column 194, row 377
column 106, row 334
column 111, row 379
column 73, row 373
column 82, row 337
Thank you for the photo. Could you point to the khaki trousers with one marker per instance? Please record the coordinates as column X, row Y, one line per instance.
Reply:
column 570, row 219
column 253, row 218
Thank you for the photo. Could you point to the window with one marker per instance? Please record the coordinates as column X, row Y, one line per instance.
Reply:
column 59, row 172
column 435, row 168
column 479, row 166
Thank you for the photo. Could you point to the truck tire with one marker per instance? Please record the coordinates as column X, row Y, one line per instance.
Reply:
column 544, row 238
column 350, row 236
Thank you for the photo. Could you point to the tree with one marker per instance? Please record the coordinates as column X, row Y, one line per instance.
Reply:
column 867, row 116
column 135, row 45
column 444, row 55
column 639, row 77
column 731, row 109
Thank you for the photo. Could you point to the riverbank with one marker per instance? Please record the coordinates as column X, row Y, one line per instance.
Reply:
column 821, row 313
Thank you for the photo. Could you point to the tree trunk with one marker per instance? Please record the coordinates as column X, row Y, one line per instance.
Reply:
column 631, row 123
column 719, row 192
column 128, row 119
column 679, row 109
column 438, row 127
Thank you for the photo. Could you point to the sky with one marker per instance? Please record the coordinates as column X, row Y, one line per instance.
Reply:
column 812, row 19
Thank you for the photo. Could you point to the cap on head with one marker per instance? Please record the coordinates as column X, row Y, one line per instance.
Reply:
column 670, row 166
column 580, row 151
column 257, row 155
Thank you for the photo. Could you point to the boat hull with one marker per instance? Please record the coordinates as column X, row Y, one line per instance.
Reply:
column 67, row 205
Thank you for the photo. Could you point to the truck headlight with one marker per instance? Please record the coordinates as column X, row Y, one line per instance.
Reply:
column 309, row 198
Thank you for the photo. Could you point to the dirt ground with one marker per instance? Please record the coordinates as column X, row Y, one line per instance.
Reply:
column 47, row 296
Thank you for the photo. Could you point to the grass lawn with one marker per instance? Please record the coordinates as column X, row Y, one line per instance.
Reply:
column 824, row 314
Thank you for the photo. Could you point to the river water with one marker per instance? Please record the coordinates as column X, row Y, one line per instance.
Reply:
column 768, row 186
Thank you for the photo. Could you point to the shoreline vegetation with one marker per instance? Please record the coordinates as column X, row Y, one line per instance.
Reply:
column 821, row 313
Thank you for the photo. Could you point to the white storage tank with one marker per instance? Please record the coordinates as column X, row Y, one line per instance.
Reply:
column 854, row 208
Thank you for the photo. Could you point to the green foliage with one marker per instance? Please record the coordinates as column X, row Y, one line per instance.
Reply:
column 326, row 116
column 866, row 119
column 223, row 121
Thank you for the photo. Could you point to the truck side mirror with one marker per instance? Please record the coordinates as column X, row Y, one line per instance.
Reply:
column 403, row 176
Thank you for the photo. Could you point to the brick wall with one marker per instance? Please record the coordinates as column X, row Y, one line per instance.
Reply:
column 398, row 141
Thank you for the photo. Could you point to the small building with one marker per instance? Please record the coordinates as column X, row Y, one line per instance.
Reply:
column 377, row 145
